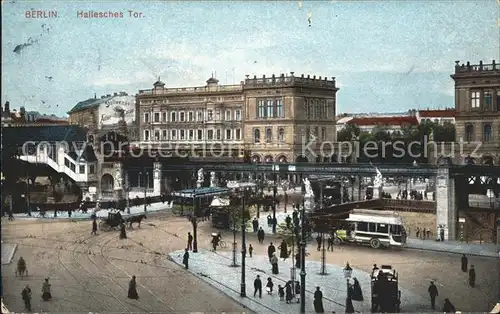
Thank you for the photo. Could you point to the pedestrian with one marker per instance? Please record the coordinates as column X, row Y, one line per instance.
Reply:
column 417, row 234
column 269, row 221
column 190, row 241
column 283, row 250
column 94, row 227
column 357, row 292
column 297, row 290
column 255, row 225
column 433, row 293
column 318, row 240
column 260, row 235
column 46, row 295
column 269, row 286
column 281, row 292
column 288, row 221
column 123, row 232
column 448, row 307
column 441, row 234
column 423, row 234
column 464, row 263
column 289, row 292
column 26, row 295
column 374, row 267
column 270, row 251
column 330, row 243
column 185, row 259
column 318, row 301
column 132, row 289
column 472, row 276
column 429, row 234
column 349, row 308
column 257, row 286
column 274, row 264
column 250, row 250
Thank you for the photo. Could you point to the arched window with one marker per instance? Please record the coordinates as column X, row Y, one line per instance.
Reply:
column 469, row 133
column 256, row 136
column 269, row 135
column 281, row 135
column 487, row 134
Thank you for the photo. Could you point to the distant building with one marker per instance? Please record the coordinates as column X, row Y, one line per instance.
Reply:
column 13, row 117
column 390, row 124
column 440, row 116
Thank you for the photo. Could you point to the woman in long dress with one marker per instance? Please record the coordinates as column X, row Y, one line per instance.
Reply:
column 357, row 293
column 318, row 301
column 289, row 292
column 274, row 263
column 46, row 295
column 283, row 250
column 132, row 289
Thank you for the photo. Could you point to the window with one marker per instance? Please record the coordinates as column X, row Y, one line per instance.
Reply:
column 190, row 116
column 237, row 115
column 173, row 135
column 210, row 134
column 200, row 135
column 323, row 134
column 487, row 134
column 269, row 135
column 256, row 136
column 308, row 132
column 372, row 227
column 165, row 117
column 81, row 169
column 182, row 135
column 498, row 100
column 237, row 134
column 164, row 135
column 191, row 135
column 280, row 113
column 475, row 100
column 488, row 100
column 261, row 113
column 91, row 169
column 382, row 228
column 362, row 226
column 469, row 133
column 146, row 118
column 281, row 135
column 157, row 117
column 396, row 229
column 157, row 135
column 217, row 115
column 316, row 131
column 228, row 115
column 210, row 115
column 146, row 135
column 182, row 116
column 228, row 134
column 269, row 109
column 199, row 115
column 173, row 116
column 218, row 134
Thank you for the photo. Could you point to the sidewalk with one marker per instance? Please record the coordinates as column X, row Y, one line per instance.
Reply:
column 487, row 249
column 215, row 269
column 78, row 215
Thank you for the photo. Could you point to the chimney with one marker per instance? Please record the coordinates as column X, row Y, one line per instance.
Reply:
column 314, row 77
column 302, row 76
column 7, row 107
column 308, row 76
column 115, row 94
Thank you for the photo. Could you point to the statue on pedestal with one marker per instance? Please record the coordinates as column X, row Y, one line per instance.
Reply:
column 201, row 178
column 307, row 187
column 213, row 180
column 118, row 179
column 309, row 196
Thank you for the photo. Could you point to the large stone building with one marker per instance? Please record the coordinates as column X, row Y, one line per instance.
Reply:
column 271, row 118
column 477, row 104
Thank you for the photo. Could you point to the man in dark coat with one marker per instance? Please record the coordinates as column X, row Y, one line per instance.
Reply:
column 319, row 240
column 94, row 227
column 318, row 301
column 472, row 276
column 260, row 235
column 464, row 263
column 448, row 307
column 255, row 225
column 257, row 285
column 26, row 295
column 270, row 251
column 123, row 232
column 185, row 259
column 190, row 241
column 433, row 293
column 283, row 250
column 132, row 289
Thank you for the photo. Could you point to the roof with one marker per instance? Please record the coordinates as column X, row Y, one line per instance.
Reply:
column 89, row 103
column 374, row 217
column 447, row 113
column 384, row 121
column 201, row 192
column 158, row 83
column 212, row 80
column 48, row 133
column 344, row 120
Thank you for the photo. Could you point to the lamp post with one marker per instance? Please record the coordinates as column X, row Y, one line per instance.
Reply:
column 347, row 276
column 303, row 260
column 194, row 221
column 275, row 191
column 243, row 292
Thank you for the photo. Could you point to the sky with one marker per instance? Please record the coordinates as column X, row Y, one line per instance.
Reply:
column 387, row 56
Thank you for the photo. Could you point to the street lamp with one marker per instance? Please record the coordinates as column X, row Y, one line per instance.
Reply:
column 243, row 292
column 275, row 192
column 145, row 181
column 194, row 220
column 303, row 259
column 347, row 276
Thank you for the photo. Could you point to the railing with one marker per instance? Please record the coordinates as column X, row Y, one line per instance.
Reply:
column 61, row 168
column 476, row 67
column 201, row 89
column 289, row 80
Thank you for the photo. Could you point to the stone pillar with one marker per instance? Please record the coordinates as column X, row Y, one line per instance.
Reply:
column 446, row 209
column 118, row 180
column 157, row 178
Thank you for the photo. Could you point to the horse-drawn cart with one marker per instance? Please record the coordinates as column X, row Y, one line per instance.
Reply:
column 113, row 221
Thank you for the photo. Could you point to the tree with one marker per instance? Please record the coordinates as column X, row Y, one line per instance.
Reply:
column 346, row 134
column 381, row 134
column 444, row 132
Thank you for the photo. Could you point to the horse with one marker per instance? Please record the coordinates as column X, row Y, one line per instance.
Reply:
column 21, row 269
column 136, row 219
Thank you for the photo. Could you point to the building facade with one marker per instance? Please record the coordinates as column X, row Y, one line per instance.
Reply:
column 269, row 118
column 477, row 104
